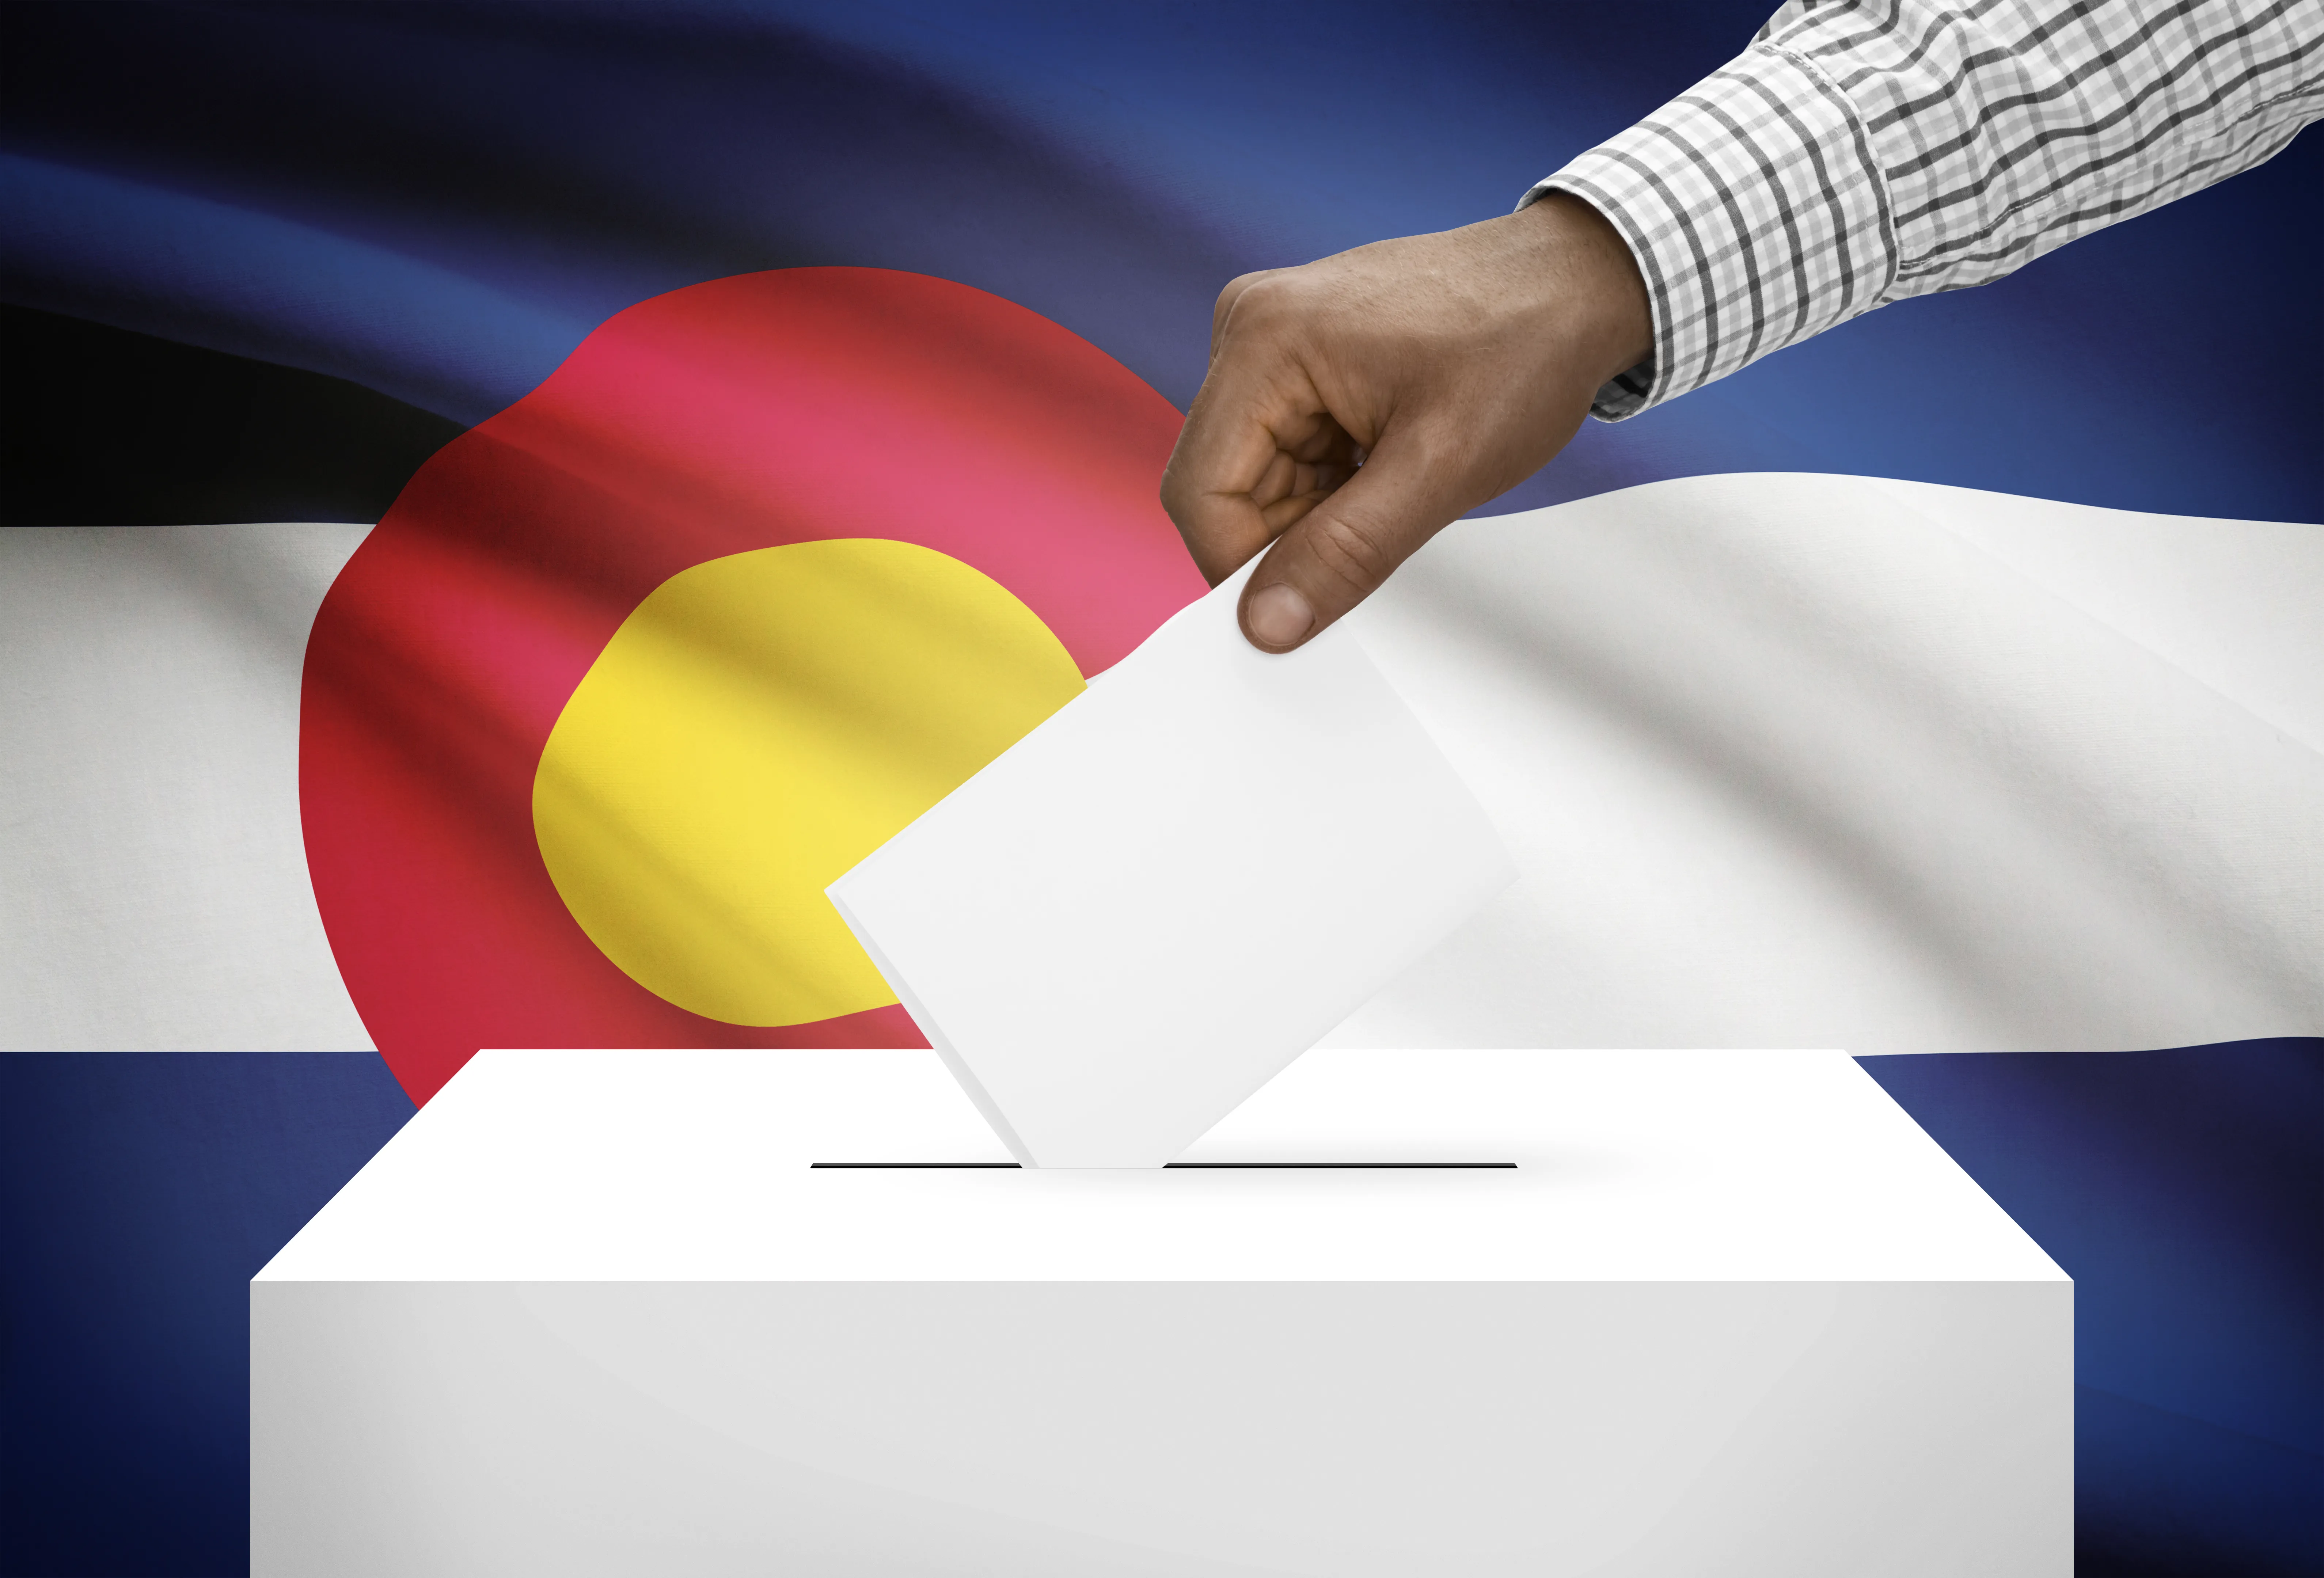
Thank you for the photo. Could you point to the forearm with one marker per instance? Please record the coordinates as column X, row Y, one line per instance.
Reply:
column 1856, row 155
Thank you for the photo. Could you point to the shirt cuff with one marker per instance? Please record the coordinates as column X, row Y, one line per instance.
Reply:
column 1756, row 213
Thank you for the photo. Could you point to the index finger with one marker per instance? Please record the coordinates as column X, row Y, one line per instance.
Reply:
column 1243, row 417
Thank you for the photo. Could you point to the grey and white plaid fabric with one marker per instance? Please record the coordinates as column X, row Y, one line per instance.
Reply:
column 1864, row 151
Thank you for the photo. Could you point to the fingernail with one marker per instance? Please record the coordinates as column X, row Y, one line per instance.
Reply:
column 1279, row 616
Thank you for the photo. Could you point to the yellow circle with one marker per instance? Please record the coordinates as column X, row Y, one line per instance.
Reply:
column 759, row 724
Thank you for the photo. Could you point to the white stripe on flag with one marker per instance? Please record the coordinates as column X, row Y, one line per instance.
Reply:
column 1808, row 760
column 1785, row 760
column 153, row 890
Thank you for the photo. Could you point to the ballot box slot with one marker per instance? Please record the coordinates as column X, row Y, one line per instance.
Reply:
column 1199, row 1166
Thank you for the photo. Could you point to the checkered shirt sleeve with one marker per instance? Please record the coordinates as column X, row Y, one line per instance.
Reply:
column 1864, row 151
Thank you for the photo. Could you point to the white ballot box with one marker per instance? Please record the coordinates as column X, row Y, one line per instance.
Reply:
column 1403, row 1313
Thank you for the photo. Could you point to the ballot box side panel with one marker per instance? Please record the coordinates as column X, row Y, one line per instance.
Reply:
column 1087, row 1430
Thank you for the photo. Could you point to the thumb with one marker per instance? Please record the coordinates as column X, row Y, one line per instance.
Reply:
column 1337, row 553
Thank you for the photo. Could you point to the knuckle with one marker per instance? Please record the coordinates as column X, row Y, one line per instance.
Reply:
column 1243, row 284
column 1356, row 551
column 1177, row 492
column 1262, row 299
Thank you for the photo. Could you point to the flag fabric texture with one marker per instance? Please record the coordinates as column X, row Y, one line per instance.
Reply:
column 1787, row 760
column 761, row 407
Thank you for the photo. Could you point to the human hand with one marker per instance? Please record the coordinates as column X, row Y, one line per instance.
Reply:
column 1356, row 405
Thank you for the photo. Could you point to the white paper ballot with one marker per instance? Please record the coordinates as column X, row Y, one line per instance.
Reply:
column 1147, row 907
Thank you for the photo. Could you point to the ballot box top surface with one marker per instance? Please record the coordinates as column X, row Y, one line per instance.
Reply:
column 1351, row 1166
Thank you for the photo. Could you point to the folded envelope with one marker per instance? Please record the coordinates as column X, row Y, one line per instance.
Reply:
column 1147, row 907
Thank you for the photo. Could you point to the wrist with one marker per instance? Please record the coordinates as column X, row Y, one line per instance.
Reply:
column 1591, row 294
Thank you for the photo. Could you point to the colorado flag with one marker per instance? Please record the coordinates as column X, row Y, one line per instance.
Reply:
column 505, row 502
